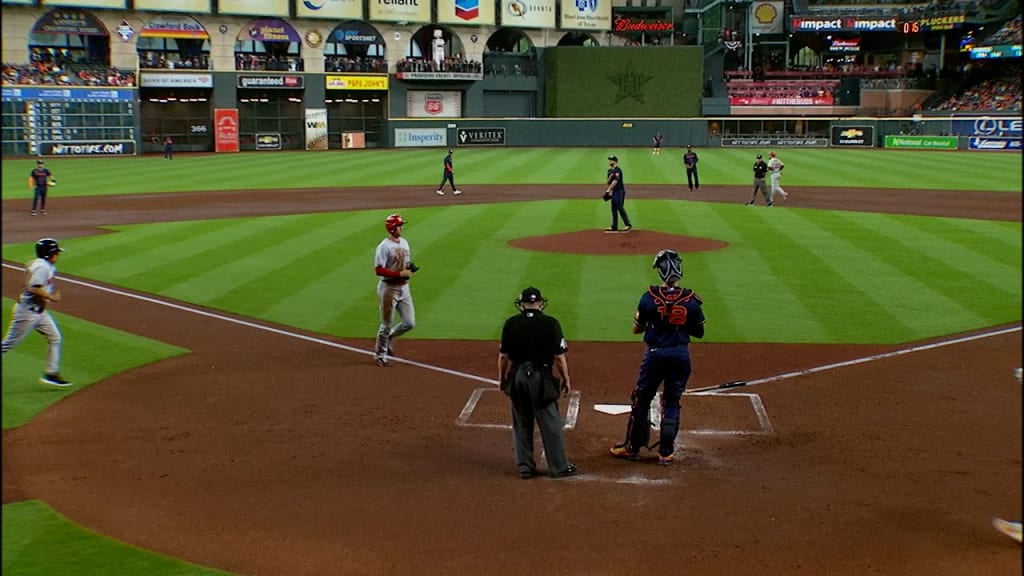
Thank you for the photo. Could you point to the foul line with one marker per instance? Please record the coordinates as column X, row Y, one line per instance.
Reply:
column 724, row 388
column 263, row 327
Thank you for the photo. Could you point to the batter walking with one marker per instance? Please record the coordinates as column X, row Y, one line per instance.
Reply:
column 775, row 167
column 760, row 169
column 394, row 266
column 30, row 313
column 668, row 316
column 690, row 160
column 534, row 373
column 40, row 179
column 449, row 176
column 616, row 192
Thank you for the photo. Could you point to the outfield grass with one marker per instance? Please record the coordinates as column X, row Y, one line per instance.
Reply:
column 792, row 275
column 24, row 396
column 924, row 170
column 37, row 541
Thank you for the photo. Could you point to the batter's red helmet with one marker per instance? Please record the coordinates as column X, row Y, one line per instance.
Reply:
column 393, row 221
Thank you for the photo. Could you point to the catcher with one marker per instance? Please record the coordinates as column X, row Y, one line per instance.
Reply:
column 30, row 311
column 668, row 316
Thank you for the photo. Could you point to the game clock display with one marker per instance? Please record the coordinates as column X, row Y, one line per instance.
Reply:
column 68, row 121
column 930, row 24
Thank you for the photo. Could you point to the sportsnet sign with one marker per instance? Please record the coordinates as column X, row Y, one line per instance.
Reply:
column 846, row 136
column 842, row 24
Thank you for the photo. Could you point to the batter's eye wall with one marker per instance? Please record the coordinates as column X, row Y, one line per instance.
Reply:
column 586, row 82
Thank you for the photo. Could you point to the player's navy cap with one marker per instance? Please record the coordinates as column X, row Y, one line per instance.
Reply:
column 688, row 146
column 758, row 156
column 530, row 294
column 613, row 158
column 39, row 161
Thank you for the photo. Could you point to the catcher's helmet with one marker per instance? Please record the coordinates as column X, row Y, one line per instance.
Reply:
column 669, row 265
column 393, row 221
column 531, row 295
column 47, row 247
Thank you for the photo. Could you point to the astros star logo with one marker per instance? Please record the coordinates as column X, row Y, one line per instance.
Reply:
column 630, row 83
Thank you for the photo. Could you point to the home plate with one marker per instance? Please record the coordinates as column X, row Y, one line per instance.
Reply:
column 613, row 409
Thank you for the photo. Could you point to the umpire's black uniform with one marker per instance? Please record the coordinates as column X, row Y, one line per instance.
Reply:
column 530, row 363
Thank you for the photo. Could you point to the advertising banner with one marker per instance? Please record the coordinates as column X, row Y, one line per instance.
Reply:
column 176, row 80
column 420, row 137
column 586, row 15
column 268, row 141
column 466, row 12
column 528, row 13
column 357, row 82
column 789, row 142
column 189, row 6
column 839, row 24
column 253, row 7
column 330, row 9
column 70, row 21
column 433, row 104
column 167, row 26
column 316, row 129
column 356, row 33
column 988, row 126
column 400, row 10
column 225, row 122
column 994, row 143
column 20, row 2
column 826, row 100
column 269, row 81
column 63, row 94
column 116, row 4
column 481, row 137
column 97, row 148
column 353, row 140
column 269, row 30
column 767, row 18
column 922, row 142
column 845, row 136
column 845, row 45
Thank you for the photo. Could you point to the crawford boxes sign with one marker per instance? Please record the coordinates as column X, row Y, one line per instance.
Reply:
column 845, row 136
column 481, row 137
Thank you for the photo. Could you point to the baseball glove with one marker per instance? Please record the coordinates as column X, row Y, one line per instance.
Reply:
column 607, row 196
column 412, row 267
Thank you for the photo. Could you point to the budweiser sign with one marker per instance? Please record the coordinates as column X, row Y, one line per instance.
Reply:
column 623, row 24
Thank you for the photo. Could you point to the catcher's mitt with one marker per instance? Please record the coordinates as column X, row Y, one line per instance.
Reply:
column 607, row 196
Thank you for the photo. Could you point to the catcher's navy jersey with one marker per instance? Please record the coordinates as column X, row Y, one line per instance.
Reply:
column 670, row 316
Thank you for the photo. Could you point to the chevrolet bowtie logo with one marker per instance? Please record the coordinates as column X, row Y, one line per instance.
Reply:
column 852, row 133
column 630, row 84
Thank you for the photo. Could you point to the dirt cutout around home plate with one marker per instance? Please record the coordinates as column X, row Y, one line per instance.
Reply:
column 616, row 243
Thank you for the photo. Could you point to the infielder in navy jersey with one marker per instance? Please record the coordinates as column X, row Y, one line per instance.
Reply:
column 690, row 159
column 449, row 176
column 41, row 179
column 668, row 316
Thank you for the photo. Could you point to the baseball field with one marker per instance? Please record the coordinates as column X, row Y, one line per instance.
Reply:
column 219, row 311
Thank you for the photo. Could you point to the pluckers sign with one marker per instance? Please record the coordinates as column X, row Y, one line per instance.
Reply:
column 625, row 24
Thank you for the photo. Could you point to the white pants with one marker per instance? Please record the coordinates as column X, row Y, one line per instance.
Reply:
column 394, row 298
column 776, row 187
column 25, row 320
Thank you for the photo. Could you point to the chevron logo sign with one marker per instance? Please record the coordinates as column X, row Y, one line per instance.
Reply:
column 467, row 9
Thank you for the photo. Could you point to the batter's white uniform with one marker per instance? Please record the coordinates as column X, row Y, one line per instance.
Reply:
column 393, row 294
column 29, row 314
column 775, row 167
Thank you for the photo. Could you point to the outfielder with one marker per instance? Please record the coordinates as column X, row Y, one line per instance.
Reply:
column 30, row 312
column 690, row 159
column 668, row 316
column 40, row 179
column 775, row 167
column 448, row 176
column 393, row 265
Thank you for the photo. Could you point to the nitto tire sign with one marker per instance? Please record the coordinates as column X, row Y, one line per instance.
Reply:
column 481, row 137
column 116, row 148
column 846, row 136
column 774, row 142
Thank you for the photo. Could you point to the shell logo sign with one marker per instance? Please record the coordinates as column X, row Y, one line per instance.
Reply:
column 765, row 13
column 766, row 18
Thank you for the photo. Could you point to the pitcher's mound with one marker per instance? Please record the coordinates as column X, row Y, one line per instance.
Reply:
column 616, row 243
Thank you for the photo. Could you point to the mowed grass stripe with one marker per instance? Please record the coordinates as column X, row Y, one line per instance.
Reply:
column 862, row 257
column 964, row 261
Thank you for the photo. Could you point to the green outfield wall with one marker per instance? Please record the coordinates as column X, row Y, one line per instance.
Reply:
column 650, row 82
